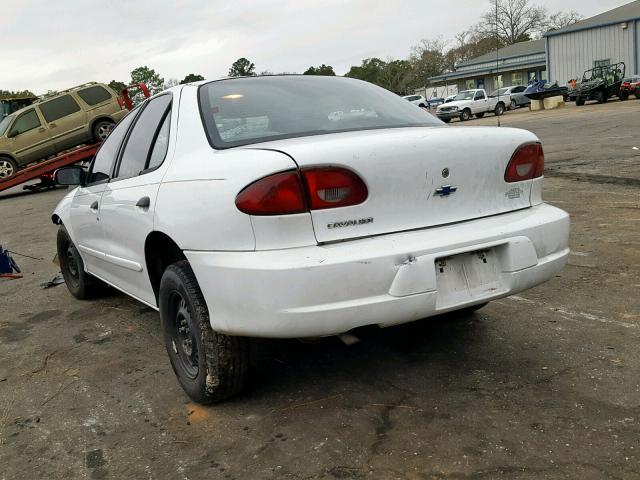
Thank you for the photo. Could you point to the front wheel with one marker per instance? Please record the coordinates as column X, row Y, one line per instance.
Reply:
column 81, row 284
column 601, row 97
column 499, row 109
column 446, row 120
column 579, row 101
column 465, row 115
column 7, row 167
column 210, row 367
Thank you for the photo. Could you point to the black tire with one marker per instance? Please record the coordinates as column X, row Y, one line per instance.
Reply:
column 623, row 96
column 480, row 115
column 579, row 101
column 465, row 115
column 101, row 130
column 513, row 105
column 601, row 97
column 210, row 367
column 81, row 284
column 8, row 167
column 499, row 110
column 446, row 120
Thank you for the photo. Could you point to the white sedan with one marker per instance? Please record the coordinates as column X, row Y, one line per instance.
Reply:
column 301, row 206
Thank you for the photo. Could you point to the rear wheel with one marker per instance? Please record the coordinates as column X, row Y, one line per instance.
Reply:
column 579, row 101
column 513, row 105
column 8, row 167
column 499, row 109
column 210, row 367
column 465, row 115
column 102, row 129
column 623, row 96
column 81, row 284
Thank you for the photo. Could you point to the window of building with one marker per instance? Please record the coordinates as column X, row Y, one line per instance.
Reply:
column 497, row 82
column 25, row 122
column 543, row 75
column 516, row 78
column 58, row 108
column 469, row 84
column 601, row 63
column 94, row 95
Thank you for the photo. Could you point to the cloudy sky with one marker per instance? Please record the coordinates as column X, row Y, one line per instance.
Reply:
column 48, row 44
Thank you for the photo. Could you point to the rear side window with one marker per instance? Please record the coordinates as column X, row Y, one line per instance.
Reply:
column 25, row 122
column 138, row 149
column 94, row 95
column 58, row 108
column 106, row 156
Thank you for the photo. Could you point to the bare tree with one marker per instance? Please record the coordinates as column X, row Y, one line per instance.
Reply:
column 562, row 19
column 512, row 21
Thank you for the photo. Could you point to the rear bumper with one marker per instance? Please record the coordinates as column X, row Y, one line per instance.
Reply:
column 384, row 280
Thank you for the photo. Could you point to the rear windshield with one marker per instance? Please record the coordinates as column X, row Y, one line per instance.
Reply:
column 242, row 111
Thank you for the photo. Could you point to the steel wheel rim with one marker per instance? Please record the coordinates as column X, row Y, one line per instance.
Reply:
column 72, row 264
column 183, row 340
column 6, row 169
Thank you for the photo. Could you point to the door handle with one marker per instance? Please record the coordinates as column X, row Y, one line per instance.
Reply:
column 144, row 202
column 41, row 129
column 52, row 125
column 94, row 206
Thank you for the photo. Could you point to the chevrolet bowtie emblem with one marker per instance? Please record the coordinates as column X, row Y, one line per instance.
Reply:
column 446, row 190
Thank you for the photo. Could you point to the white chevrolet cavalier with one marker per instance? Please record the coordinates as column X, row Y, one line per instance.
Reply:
column 301, row 206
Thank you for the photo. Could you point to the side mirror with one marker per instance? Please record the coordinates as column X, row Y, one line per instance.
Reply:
column 73, row 175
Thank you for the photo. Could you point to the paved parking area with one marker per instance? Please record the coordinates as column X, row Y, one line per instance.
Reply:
column 542, row 385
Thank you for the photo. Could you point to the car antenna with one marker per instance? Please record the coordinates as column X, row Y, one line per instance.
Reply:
column 497, row 61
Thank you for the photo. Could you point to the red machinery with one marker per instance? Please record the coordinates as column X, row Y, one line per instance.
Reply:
column 46, row 169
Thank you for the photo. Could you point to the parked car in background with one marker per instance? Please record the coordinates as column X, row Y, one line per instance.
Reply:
column 434, row 102
column 469, row 103
column 630, row 86
column 83, row 114
column 418, row 100
column 513, row 97
column 449, row 98
column 270, row 210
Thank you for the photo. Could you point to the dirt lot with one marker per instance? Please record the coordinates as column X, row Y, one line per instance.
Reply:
column 541, row 385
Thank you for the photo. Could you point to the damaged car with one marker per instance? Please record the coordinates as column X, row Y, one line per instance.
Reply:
column 301, row 206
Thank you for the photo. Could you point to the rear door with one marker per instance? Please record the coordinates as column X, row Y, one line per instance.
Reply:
column 66, row 121
column 416, row 177
column 128, row 202
column 29, row 139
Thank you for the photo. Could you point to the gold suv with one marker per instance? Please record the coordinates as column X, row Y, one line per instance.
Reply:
column 83, row 114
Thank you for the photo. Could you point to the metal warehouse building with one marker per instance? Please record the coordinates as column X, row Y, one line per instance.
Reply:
column 605, row 39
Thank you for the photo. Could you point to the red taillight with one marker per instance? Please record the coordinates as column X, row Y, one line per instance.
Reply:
column 331, row 187
column 293, row 192
column 277, row 194
column 526, row 163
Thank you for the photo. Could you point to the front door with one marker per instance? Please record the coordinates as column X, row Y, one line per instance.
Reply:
column 128, row 203
column 86, row 226
column 29, row 140
column 66, row 120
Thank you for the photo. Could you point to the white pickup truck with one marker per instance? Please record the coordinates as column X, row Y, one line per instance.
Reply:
column 471, row 102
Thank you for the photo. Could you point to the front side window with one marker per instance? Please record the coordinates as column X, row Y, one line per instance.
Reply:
column 250, row 110
column 480, row 96
column 25, row 122
column 58, row 108
column 94, row 95
column 136, row 153
column 103, row 162
column 4, row 124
